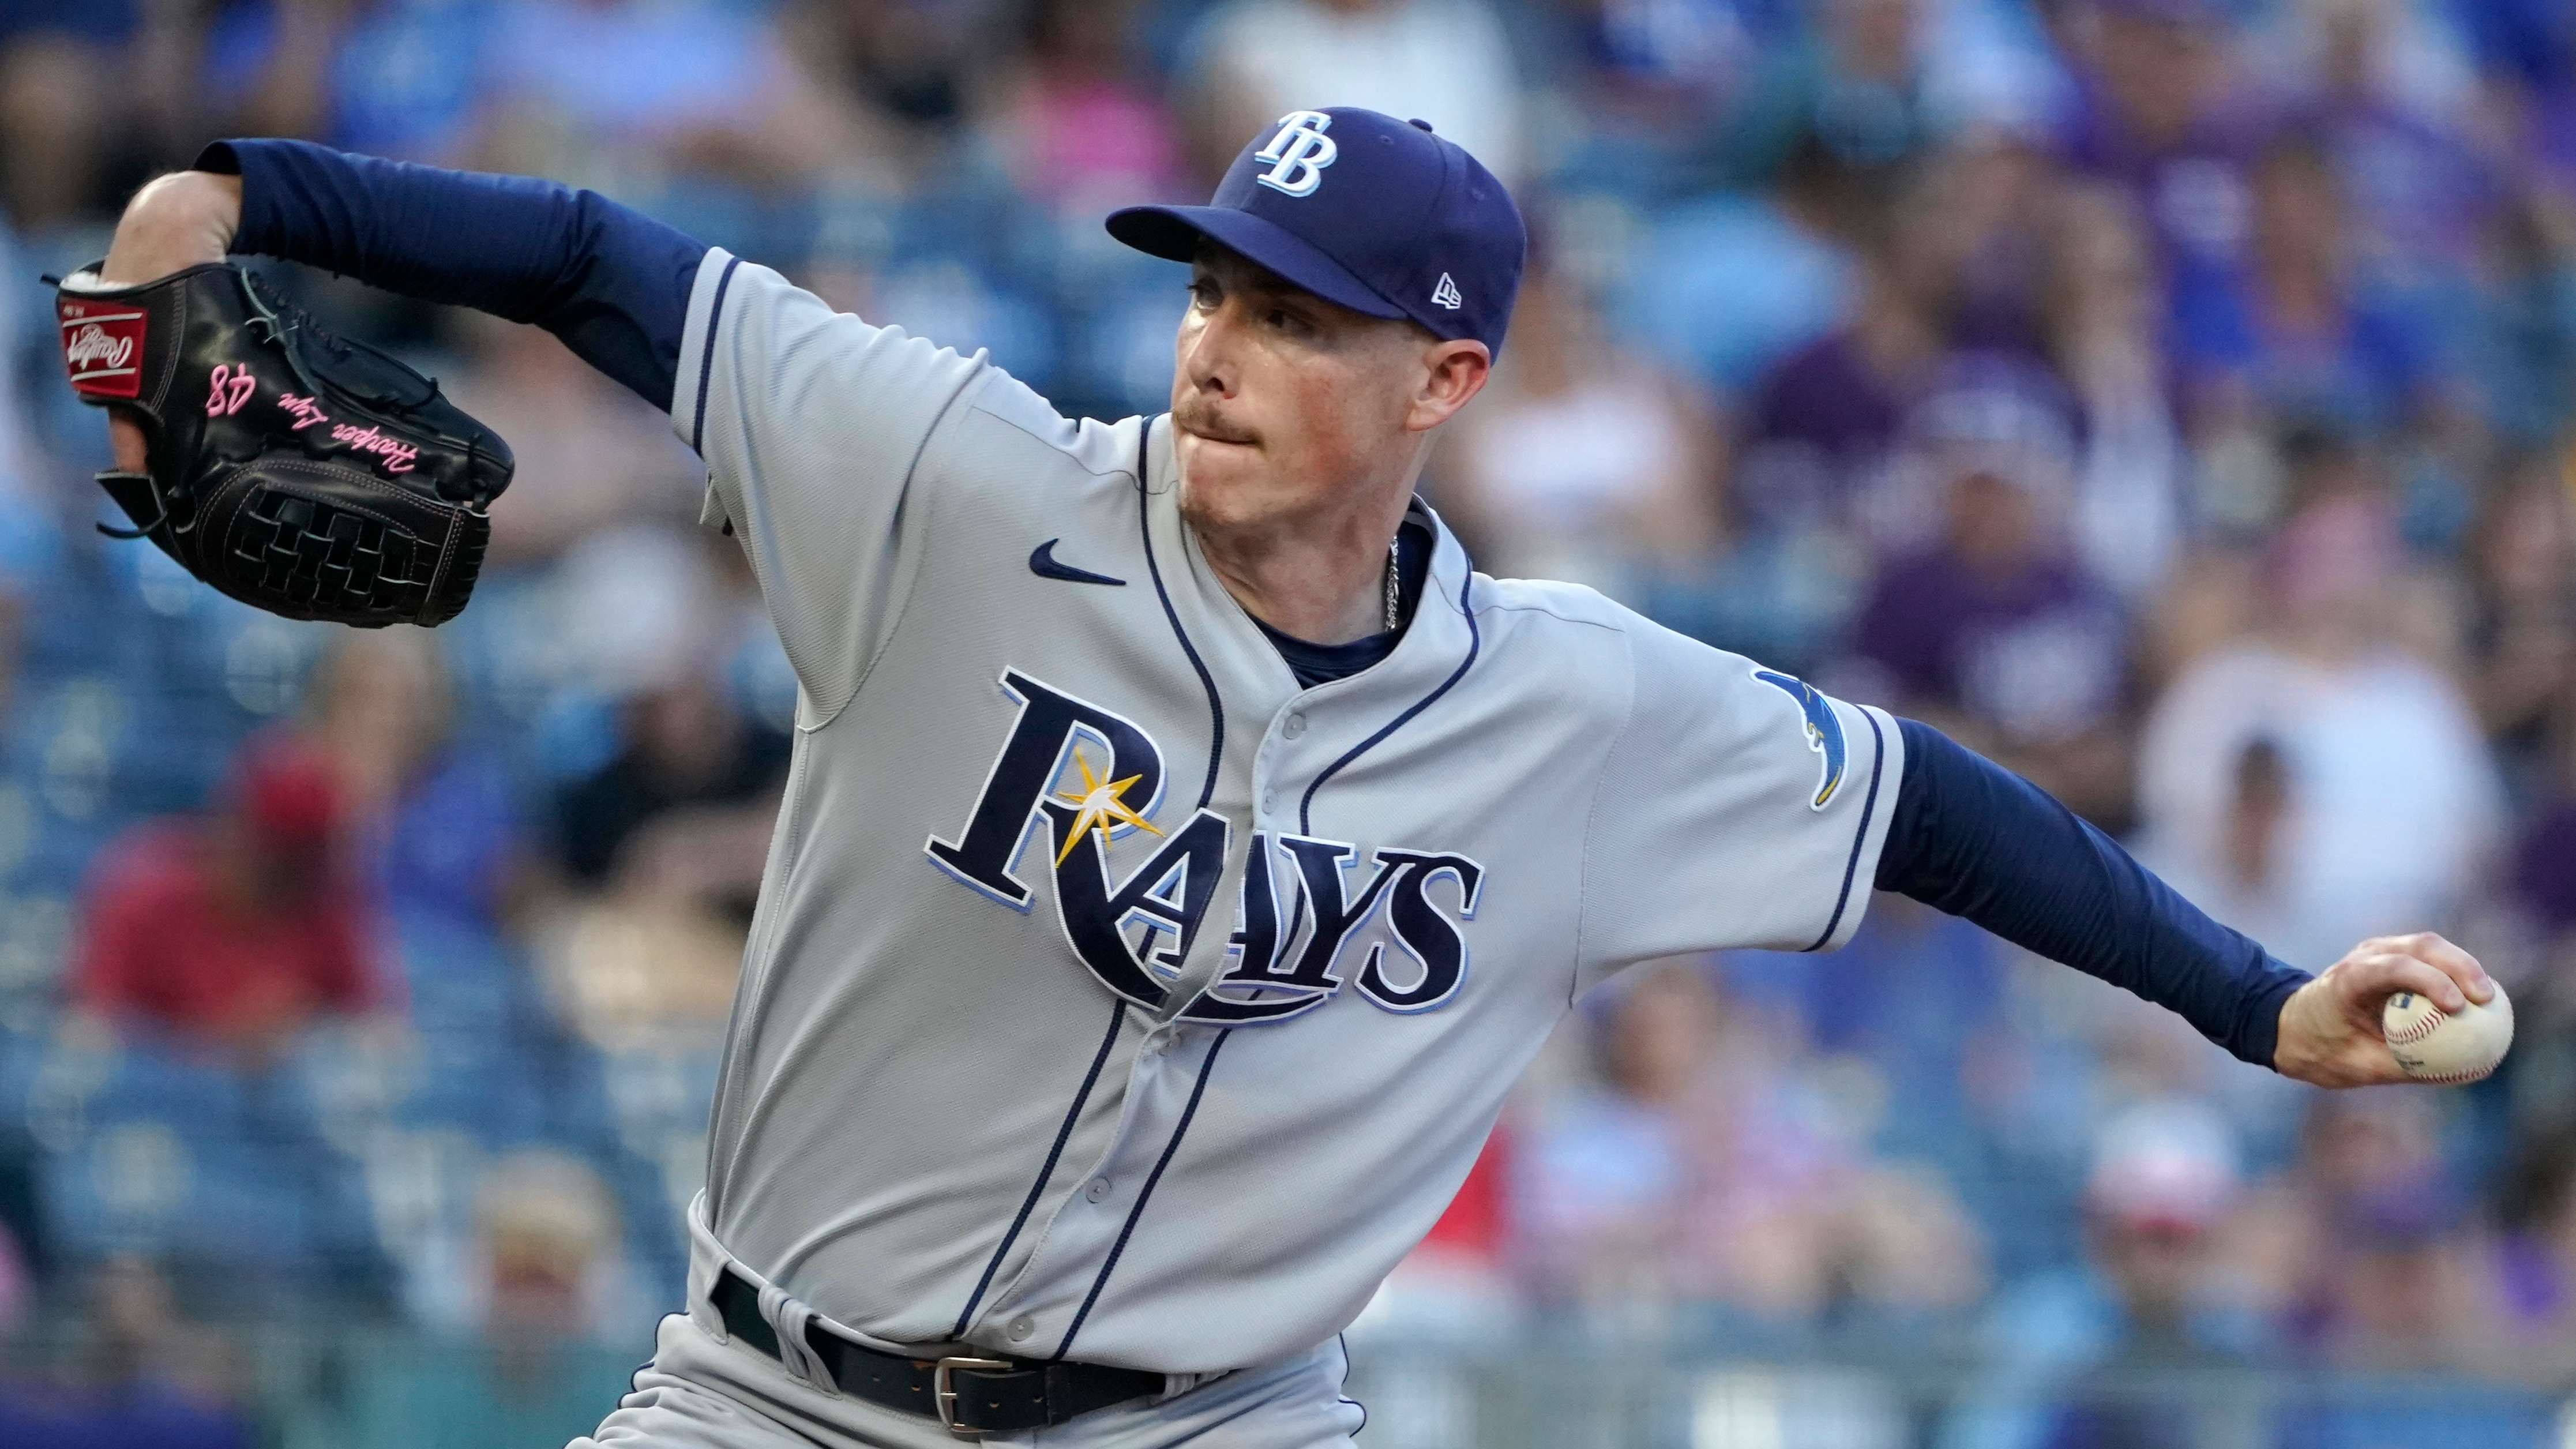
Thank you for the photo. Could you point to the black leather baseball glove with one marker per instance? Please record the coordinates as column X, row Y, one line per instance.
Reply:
column 303, row 473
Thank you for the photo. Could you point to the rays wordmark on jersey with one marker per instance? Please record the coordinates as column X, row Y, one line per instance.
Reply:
column 1091, row 776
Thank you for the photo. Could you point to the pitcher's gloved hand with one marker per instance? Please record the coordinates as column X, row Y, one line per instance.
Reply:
column 303, row 473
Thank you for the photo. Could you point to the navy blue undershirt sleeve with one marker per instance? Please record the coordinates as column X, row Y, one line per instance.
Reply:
column 1976, row 840
column 610, row 281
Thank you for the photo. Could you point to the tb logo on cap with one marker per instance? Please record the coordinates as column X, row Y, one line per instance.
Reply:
column 1298, row 153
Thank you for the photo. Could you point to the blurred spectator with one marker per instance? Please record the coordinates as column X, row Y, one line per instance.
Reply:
column 2526, row 1308
column 55, row 112
column 633, row 604
column 684, row 809
column 2522, row 639
column 1819, row 424
column 2364, row 1239
column 1726, row 285
column 1878, row 80
column 591, row 455
column 25, row 1242
column 1950, row 255
column 398, row 78
column 636, row 974
column 2384, row 88
column 2410, row 58
column 694, row 88
column 1856, row 86
column 436, row 826
column 1581, row 462
column 2104, row 319
column 2157, row 112
column 669, row 838
column 2521, row 345
column 547, row 1238
column 545, row 1313
column 151, row 1380
column 1707, row 1170
column 1657, row 71
column 90, row 92
column 1445, row 61
column 2070, row 1357
column 907, row 71
column 2246, row 883
column 544, row 1288
column 2307, row 342
column 1993, row 632
column 2367, row 731
column 238, row 928
column 1084, row 133
column 2547, row 62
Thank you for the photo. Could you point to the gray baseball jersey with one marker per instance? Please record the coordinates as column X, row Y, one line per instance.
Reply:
column 1112, row 997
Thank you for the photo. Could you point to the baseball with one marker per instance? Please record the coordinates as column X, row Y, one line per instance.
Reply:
column 2437, row 1046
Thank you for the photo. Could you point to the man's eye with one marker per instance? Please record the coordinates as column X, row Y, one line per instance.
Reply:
column 1203, row 293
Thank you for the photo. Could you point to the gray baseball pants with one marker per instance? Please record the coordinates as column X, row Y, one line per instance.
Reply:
column 702, row 1391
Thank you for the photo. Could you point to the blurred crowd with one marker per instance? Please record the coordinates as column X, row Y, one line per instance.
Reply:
column 2169, row 398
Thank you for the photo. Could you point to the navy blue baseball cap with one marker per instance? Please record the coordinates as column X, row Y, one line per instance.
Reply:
column 1357, row 207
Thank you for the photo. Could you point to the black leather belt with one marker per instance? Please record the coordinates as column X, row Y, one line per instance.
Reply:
column 969, row 1394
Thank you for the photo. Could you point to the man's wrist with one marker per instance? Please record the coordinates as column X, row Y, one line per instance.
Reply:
column 2288, row 1058
column 181, row 220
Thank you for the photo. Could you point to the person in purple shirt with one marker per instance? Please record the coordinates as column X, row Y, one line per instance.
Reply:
column 1821, row 420
column 2305, row 336
column 2154, row 115
column 1992, row 631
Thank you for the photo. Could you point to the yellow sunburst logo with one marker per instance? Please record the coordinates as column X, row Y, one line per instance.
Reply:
column 1097, row 807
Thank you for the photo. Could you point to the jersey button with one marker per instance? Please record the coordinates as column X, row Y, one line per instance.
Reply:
column 1296, row 726
column 1021, row 1327
column 1099, row 1189
column 1269, row 802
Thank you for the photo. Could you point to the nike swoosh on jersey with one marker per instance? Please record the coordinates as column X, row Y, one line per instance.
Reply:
column 1042, row 563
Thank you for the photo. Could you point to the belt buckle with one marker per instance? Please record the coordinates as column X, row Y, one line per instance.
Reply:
column 944, row 1398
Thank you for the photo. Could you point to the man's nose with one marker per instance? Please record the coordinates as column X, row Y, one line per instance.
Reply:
column 1207, row 349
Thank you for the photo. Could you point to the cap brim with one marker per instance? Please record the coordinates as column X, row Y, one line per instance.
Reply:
column 1174, row 233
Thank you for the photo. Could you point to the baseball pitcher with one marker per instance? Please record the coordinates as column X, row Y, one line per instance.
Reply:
column 1185, row 847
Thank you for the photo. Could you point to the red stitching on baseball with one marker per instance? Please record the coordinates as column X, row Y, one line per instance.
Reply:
column 2424, row 1026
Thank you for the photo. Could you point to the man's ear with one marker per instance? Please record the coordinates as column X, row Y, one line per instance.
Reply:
column 1454, row 372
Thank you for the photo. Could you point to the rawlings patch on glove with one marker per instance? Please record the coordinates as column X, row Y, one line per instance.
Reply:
column 299, row 472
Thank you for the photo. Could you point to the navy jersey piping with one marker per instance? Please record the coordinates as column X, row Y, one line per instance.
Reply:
column 1063, row 1134
column 1475, row 641
column 707, row 357
column 1207, row 681
column 1344, row 1340
column 1860, row 837
column 1144, row 1195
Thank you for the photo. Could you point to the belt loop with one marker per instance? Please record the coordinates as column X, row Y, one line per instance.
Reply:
column 1175, row 1385
column 790, row 1318
column 707, row 1260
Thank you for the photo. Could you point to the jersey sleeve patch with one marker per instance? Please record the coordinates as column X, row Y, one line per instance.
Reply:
column 1824, row 730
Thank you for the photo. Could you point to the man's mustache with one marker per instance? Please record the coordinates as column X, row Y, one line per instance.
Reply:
column 1205, row 422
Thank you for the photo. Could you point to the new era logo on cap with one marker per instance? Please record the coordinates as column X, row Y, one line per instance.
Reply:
column 1406, row 225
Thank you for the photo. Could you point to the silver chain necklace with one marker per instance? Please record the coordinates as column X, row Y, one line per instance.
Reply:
column 1394, row 593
